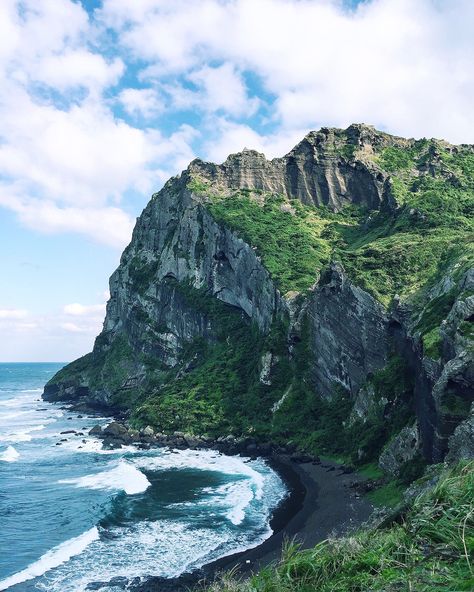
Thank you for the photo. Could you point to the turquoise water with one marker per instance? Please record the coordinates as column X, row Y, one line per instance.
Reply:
column 71, row 513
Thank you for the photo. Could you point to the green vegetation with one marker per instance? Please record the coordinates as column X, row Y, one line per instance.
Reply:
column 389, row 495
column 312, row 421
column 219, row 392
column 429, row 548
column 388, row 252
column 142, row 273
column 370, row 470
column 198, row 185
column 287, row 235
column 395, row 159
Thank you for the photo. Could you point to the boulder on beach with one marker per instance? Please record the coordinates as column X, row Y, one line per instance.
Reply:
column 148, row 431
column 115, row 430
column 111, row 444
column 95, row 431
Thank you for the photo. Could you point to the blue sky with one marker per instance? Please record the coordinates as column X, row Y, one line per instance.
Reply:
column 102, row 100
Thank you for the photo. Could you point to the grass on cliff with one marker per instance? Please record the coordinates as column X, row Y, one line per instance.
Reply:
column 386, row 253
column 429, row 548
column 216, row 388
column 286, row 234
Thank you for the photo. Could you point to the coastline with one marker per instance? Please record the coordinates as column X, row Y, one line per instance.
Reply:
column 320, row 504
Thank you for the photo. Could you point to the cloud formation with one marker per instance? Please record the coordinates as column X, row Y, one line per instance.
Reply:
column 98, row 106
column 398, row 64
column 59, row 336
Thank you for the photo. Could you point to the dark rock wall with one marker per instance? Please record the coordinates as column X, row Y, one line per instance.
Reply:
column 349, row 334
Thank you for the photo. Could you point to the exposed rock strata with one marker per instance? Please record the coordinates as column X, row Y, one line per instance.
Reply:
column 349, row 333
column 316, row 171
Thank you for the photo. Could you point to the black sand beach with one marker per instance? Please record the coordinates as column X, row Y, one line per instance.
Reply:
column 321, row 503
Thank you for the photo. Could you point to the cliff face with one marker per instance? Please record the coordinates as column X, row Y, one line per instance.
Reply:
column 317, row 171
column 324, row 285
column 349, row 334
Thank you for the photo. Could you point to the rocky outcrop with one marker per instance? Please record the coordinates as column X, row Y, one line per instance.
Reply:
column 177, row 239
column 402, row 449
column 328, row 167
column 444, row 388
column 182, row 260
column 349, row 333
column 461, row 443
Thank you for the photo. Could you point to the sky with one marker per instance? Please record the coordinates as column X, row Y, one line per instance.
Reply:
column 101, row 101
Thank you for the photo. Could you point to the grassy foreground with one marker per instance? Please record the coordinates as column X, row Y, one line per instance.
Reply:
column 429, row 547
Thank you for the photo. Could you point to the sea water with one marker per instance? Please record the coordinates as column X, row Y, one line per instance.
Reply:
column 72, row 513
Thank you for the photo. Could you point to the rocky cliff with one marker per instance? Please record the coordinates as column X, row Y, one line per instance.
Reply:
column 325, row 297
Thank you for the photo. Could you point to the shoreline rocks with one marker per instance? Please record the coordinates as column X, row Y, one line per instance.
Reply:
column 117, row 434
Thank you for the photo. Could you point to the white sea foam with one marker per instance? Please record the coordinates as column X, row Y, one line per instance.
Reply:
column 124, row 476
column 10, row 455
column 23, row 435
column 206, row 460
column 53, row 558
column 93, row 445
column 9, row 403
column 235, row 496
column 164, row 548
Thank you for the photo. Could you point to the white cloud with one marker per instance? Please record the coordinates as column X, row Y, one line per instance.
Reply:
column 219, row 88
column 76, row 309
column 81, row 156
column 228, row 137
column 66, row 160
column 141, row 101
column 78, row 68
column 71, row 328
column 398, row 64
column 107, row 225
column 12, row 313
column 59, row 336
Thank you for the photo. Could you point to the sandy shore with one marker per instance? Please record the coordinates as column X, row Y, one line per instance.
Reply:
column 320, row 504
column 328, row 506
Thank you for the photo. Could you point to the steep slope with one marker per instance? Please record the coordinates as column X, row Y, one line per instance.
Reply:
column 329, row 292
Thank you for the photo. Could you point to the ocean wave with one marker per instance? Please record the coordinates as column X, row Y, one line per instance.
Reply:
column 235, row 496
column 9, row 402
column 163, row 548
column 23, row 435
column 124, row 477
column 53, row 558
column 36, row 390
column 206, row 460
column 10, row 455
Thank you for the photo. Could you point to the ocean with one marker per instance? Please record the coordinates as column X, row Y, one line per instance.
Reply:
column 72, row 513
